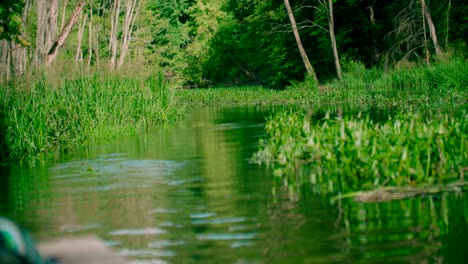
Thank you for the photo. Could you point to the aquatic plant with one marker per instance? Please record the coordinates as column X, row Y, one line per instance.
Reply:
column 43, row 118
column 354, row 153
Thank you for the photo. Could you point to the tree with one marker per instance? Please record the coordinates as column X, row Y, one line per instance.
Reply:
column 10, row 19
column 432, row 30
column 305, row 59
column 64, row 34
column 331, row 31
column 131, row 12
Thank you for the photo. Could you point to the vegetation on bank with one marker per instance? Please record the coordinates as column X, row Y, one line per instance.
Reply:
column 334, row 156
column 442, row 84
column 419, row 142
column 40, row 119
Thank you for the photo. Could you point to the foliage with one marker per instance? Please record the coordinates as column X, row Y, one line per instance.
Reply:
column 10, row 19
column 41, row 118
column 340, row 155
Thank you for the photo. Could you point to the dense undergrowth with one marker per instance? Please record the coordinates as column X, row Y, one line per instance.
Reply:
column 421, row 142
column 339, row 155
column 42, row 118
column 424, row 86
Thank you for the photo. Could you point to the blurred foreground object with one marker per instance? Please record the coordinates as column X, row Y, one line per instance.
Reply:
column 89, row 250
column 17, row 246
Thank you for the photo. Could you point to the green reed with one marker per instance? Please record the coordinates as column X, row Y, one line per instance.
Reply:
column 340, row 155
column 40, row 119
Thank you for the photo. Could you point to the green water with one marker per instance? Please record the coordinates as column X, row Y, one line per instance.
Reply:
column 186, row 193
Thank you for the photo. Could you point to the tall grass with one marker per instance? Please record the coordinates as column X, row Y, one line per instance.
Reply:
column 442, row 76
column 441, row 83
column 42, row 118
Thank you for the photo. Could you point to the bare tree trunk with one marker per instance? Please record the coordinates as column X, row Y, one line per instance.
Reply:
column 4, row 60
column 81, row 27
column 51, row 30
column 331, row 26
column 96, row 47
column 305, row 59
column 426, row 46
column 64, row 34
column 64, row 12
column 90, row 38
column 449, row 7
column 130, row 17
column 8, row 60
column 19, row 51
column 432, row 29
column 113, row 33
column 41, row 28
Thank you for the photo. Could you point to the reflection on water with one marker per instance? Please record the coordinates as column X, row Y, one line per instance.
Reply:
column 186, row 193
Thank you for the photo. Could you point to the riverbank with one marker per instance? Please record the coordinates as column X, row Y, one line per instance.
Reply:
column 43, row 118
column 418, row 142
column 419, row 87
column 55, row 113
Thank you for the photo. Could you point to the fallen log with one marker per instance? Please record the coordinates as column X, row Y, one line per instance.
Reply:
column 386, row 194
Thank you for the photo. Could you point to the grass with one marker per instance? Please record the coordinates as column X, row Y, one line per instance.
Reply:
column 41, row 119
column 342, row 155
column 443, row 84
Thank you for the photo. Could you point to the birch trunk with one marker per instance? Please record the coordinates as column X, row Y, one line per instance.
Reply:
column 64, row 12
column 113, row 33
column 432, row 30
column 331, row 27
column 426, row 48
column 305, row 59
column 64, row 34
column 132, row 8
column 81, row 27
column 4, row 60
column 41, row 28
column 90, row 39
column 51, row 29
column 20, row 51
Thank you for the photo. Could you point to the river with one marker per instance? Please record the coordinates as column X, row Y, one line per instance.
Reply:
column 186, row 193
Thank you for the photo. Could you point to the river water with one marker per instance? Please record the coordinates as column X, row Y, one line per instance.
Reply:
column 186, row 193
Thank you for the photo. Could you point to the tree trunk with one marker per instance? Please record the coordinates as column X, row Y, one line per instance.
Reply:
column 51, row 29
column 449, row 7
column 90, row 39
column 4, row 60
column 432, row 30
column 331, row 26
column 41, row 28
column 81, row 27
column 113, row 33
column 64, row 12
column 64, row 34
column 19, row 56
column 305, row 59
column 130, row 17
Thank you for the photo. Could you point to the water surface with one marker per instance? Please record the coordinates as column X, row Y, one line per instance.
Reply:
column 186, row 193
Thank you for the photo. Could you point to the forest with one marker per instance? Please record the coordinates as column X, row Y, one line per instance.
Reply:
column 202, row 43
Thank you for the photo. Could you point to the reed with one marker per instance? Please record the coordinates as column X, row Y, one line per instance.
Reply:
column 48, row 116
column 341, row 155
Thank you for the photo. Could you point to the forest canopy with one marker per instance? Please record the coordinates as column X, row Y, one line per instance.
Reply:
column 199, row 43
column 10, row 18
